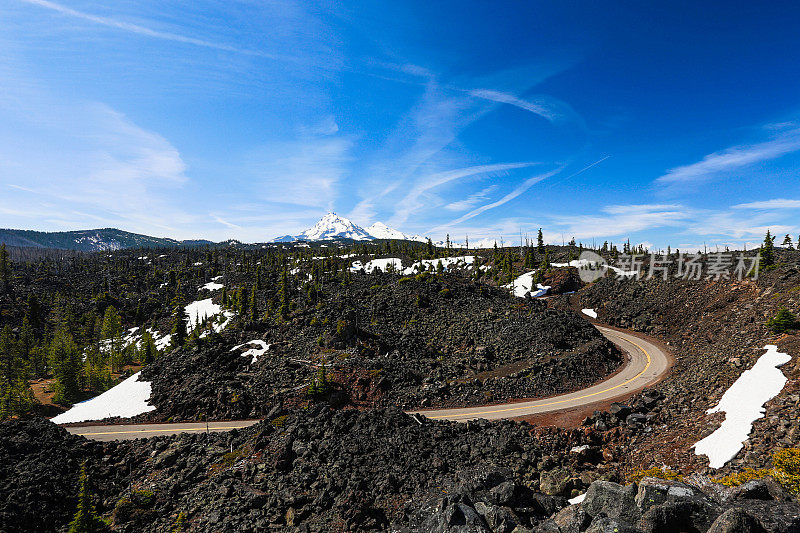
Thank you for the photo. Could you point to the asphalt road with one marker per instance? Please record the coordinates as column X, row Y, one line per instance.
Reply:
column 647, row 364
column 143, row 431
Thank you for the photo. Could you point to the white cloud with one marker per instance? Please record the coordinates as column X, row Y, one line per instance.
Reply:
column 622, row 220
column 777, row 203
column 302, row 172
column 142, row 30
column 524, row 186
column 86, row 164
column 472, row 200
column 545, row 107
column 732, row 159
column 411, row 202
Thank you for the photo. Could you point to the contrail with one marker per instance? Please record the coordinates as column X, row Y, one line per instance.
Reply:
column 584, row 169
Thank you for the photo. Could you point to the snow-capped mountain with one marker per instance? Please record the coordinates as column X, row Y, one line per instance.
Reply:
column 379, row 230
column 333, row 226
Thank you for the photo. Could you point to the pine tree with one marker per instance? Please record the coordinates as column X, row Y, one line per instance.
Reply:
column 16, row 394
column 5, row 269
column 85, row 520
column 65, row 360
column 253, row 306
column 179, row 323
column 111, row 332
column 429, row 249
column 787, row 242
column 283, row 293
column 243, row 300
column 259, row 282
column 540, row 241
column 768, row 252
column 149, row 351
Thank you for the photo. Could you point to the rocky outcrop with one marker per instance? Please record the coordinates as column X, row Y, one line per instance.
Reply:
column 658, row 505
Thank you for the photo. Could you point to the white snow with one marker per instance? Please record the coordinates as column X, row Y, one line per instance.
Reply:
column 332, row 226
column 447, row 263
column 577, row 499
column 589, row 312
column 199, row 311
column 379, row 230
column 127, row 399
column 579, row 449
column 578, row 263
column 212, row 286
column 254, row 352
column 743, row 403
column 523, row 285
column 382, row 264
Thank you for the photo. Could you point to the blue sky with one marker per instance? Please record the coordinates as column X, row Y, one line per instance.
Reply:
column 676, row 125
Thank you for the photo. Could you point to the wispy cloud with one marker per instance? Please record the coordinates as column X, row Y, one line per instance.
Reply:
column 545, row 107
column 732, row 159
column 622, row 220
column 524, row 186
column 145, row 31
column 472, row 200
column 411, row 202
column 776, row 203
column 305, row 171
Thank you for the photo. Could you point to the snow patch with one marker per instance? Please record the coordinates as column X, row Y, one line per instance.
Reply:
column 199, row 311
column 212, row 286
column 447, row 264
column 589, row 312
column 255, row 352
column 523, row 285
column 577, row 499
column 743, row 404
column 127, row 399
column 383, row 264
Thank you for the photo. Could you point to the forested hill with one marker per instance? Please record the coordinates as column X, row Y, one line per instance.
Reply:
column 92, row 240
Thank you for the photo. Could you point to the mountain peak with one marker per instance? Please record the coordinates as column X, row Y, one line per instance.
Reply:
column 333, row 226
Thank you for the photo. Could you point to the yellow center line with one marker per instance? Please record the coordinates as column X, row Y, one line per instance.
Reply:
column 180, row 430
column 476, row 413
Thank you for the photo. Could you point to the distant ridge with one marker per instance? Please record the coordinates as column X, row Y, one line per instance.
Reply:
column 92, row 240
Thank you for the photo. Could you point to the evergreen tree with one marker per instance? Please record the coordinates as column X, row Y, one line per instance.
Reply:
column 283, row 293
column 65, row 360
column 16, row 393
column 85, row 520
column 5, row 269
column 259, row 282
column 253, row 306
column 768, row 252
column 787, row 242
column 179, row 323
column 540, row 241
column 111, row 332
column 429, row 249
column 243, row 300
column 149, row 351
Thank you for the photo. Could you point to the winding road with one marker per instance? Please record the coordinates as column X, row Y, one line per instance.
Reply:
column 647, row 364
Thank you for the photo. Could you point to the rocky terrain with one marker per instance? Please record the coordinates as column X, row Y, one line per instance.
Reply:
column 718, row 329
column 385, row 340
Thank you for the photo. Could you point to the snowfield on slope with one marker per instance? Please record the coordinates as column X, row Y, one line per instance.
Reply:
column 589, row 312
column 127, row 399
column 743, row 404
column 397, row 264
column 523, row 285
column 254, row 352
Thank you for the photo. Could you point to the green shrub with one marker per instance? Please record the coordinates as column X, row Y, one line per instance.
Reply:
column 143, row 498
column 783, row 322
column 405, row 279
column 785, row 470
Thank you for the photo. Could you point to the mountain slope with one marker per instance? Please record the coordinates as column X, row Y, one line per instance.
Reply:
column 93, row 240
column 333, row 226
